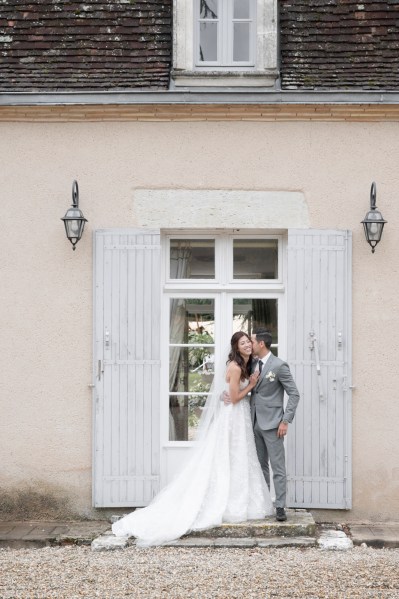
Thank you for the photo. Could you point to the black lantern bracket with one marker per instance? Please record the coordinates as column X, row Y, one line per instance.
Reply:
column 373, row 222
column 74, row 220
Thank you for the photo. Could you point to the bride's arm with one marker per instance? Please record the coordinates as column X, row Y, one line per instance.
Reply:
column 233, row 376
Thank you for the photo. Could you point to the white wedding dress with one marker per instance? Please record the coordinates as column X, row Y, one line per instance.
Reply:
column 221, row 482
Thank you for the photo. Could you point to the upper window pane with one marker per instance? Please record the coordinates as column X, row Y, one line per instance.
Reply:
column 255, row 258
column 192, row 258
column 241, row 9
column 209, row 9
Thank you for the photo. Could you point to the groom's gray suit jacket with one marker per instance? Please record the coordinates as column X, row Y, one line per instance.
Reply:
column 267, row 398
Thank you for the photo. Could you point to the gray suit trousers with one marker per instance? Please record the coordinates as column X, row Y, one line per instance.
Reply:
column 270, row 447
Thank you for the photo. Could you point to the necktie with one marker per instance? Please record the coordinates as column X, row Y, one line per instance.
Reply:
column 260, row 366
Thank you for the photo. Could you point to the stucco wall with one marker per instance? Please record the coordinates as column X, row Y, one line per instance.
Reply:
column 46, row 289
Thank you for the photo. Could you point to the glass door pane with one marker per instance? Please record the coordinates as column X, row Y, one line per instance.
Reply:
column 252, row 313
column 191, row 361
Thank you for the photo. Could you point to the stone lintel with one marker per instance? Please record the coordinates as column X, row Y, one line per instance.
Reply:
column 236, row 209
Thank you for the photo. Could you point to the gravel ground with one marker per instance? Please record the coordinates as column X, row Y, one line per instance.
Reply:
column 68, row 572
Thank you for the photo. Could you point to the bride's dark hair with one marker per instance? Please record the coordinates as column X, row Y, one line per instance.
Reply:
column 235, row 356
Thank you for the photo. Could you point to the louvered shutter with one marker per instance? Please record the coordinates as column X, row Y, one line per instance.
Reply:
column 126, row 367
column 319, row 354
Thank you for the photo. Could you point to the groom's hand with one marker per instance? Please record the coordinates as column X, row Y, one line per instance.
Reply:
column 282, row 429
column 225, row 398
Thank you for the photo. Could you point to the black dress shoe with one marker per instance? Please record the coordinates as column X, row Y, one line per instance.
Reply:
column 281, row 516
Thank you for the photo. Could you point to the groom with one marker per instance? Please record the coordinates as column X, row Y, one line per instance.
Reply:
column 269, row 419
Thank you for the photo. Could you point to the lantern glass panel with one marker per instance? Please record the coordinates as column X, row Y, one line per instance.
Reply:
column 374, row 231
column 74, row 227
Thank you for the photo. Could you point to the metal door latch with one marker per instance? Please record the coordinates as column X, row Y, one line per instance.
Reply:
column 340, row 340
column 314, row 346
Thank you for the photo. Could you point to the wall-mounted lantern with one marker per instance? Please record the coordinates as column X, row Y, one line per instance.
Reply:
column 74, row 220
column 373, row 222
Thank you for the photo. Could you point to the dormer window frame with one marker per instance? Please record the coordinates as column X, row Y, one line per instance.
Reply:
column 260, row 71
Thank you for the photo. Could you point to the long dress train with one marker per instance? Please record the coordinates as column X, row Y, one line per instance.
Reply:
column 222, row 482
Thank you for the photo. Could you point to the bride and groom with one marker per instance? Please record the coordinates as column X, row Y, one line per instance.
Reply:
column 227, row 477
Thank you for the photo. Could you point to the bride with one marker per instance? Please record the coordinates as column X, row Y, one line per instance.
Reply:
column 222, row 480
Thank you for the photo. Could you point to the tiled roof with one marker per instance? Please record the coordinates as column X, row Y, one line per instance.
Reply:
column 57, row 45
column 62, row 45
column 343, row 44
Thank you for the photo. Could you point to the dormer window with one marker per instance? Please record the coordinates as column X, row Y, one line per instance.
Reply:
column 225, row 43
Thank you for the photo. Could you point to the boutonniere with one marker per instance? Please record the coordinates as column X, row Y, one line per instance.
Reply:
column 271, row 376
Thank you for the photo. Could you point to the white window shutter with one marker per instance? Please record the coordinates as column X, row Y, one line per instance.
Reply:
column 319, row 354
column 126, row 367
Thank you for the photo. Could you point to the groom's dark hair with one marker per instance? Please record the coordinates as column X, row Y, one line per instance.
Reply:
column 263, row 335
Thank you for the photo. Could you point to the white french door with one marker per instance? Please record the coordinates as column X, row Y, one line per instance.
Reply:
column 214, row 286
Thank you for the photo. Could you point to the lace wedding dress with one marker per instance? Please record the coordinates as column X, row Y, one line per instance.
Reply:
column 221, row 482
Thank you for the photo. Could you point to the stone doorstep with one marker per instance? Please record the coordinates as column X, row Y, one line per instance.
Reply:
column 300, row 523
column 298, row 531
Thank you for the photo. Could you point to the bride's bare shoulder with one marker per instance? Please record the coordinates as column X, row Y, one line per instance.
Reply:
column 232, row 369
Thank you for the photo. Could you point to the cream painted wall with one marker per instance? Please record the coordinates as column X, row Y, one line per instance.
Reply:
column 46, row 289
